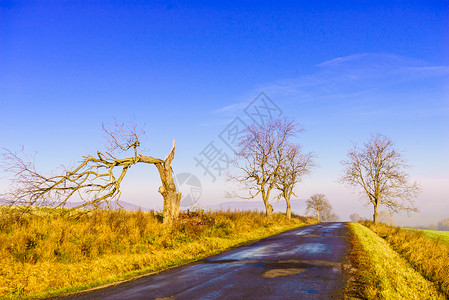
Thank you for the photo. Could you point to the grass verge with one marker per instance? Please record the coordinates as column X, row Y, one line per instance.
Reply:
column 45, row 253
column 428, row 256
column 382, row 273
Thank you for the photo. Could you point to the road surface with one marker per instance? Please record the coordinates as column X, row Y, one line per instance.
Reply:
column 303, row 263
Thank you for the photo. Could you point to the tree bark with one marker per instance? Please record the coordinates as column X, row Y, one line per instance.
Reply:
column 268, row 208
column 172, row 198
column 376, row 213
column 289, row 209
column 318, row 214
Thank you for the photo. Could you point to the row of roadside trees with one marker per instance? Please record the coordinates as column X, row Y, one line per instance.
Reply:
column 268, row 163
column 268, row 160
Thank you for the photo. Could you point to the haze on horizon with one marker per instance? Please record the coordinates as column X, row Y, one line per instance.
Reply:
column 187, row 70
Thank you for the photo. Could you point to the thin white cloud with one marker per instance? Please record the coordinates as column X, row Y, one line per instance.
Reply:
column 231, row 108
column 361, row 79
column 353, row 74
column 391, row 59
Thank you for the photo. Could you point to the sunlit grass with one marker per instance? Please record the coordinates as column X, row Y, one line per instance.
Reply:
column 428, row 256
column 44, row 252
column 442, row 236
column 382, row 272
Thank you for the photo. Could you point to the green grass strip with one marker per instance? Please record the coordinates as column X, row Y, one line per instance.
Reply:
column 386, row 274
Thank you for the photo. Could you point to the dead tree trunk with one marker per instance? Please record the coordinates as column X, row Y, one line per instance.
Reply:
column 172, row 198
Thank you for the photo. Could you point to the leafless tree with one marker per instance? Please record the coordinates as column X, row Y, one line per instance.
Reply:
column 95, row 180
column 260, row 156
column 377, row 170
column 329, row 215
column 295, row 165
column 354, row 217
column 320, row 206
column 443, row 224
column 386, row 217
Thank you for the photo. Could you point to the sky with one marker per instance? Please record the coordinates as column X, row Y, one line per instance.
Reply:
column 192, row 70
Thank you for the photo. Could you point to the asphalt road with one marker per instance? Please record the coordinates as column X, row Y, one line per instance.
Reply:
column 304, row 263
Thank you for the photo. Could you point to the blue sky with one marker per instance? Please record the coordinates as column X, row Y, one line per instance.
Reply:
column 186, row 70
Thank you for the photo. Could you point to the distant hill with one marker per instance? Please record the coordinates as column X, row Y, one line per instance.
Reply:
column 124, row 205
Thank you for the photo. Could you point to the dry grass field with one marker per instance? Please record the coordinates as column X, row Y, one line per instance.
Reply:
column 44, row 252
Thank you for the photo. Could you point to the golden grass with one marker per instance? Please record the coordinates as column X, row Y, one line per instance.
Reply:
column 442, row 236
column 383, row 273
column 45, row 253
column 428, row 256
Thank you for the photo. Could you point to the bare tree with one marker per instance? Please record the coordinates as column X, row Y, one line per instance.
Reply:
column 386, row 217
column 329, row 215
column 95, row 180
column 377, row 170
column 355, row 217
column 260, row 156
column 443, row 224
column 291, row 171
column 319, row 206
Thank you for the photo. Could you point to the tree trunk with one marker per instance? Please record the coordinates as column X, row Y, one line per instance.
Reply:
column 289, row 209
column 318, row 215
column 268, row 206
column 172, row 198
column 268, row 209
column 376, row 213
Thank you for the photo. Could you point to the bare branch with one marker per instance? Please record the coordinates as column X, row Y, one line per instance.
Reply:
column 123, row 136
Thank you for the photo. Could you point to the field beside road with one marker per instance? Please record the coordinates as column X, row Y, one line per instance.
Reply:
column 438, row 235
column 44, row 252
column 393, row 263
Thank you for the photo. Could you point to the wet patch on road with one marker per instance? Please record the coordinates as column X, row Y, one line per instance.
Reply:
column 224, row 261
column 312, row 263
column 311, row 235
column 255, row 252
column 312, row 248
column 324, row 263
column 285, row 264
